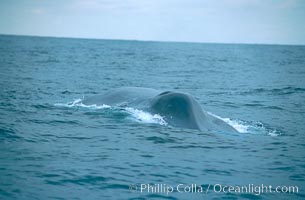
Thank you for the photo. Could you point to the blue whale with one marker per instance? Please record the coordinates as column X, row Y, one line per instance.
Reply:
column 177, row 109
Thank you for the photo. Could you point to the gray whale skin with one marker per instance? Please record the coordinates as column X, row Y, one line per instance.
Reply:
column 177, row 109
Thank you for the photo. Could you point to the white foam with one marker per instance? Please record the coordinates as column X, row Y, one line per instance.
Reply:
column 249, row 127
column 146, row 117
column 238, row 125
column 273, row 133
column 69, row 104
column 78, row 103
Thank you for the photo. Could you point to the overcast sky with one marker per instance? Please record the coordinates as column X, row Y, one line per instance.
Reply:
column 221, row 21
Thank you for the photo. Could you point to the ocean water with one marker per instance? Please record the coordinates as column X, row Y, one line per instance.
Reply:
column 53, row 147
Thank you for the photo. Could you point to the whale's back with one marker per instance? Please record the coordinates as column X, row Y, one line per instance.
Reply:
column 121, row 96
column 177, row 108
column 182, row 110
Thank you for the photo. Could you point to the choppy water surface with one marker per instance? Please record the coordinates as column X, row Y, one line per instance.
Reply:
column 53, row 147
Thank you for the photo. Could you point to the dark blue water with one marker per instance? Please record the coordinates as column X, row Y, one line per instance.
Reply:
column 54, row 148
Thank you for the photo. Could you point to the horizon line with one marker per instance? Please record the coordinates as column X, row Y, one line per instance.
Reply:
column 140, row 40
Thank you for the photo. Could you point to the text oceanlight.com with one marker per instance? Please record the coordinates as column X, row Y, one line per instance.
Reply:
column 217, row 188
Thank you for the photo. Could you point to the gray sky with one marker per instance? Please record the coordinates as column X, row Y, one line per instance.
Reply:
column 221, row 21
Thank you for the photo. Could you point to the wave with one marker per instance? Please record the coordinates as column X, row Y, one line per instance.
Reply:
column 274, row 91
